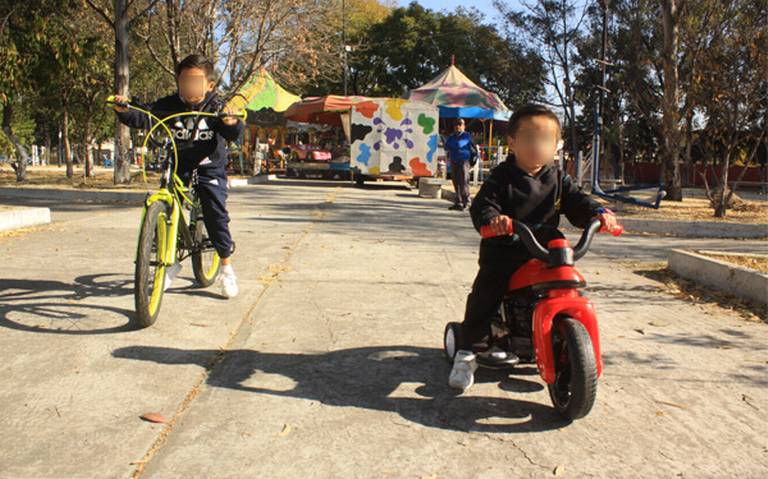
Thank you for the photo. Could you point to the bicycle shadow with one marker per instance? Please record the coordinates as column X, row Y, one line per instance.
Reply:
column 57, row 307
column 406, row 380
column 50, row 306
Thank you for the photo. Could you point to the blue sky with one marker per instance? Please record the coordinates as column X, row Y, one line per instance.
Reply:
column 485, row 6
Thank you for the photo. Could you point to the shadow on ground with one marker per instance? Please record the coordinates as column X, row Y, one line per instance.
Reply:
column 406, row 380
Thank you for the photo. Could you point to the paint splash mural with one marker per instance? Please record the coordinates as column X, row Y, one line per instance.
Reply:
column 394, row 136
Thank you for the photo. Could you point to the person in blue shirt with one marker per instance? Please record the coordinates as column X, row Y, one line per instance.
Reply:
column 460, row 148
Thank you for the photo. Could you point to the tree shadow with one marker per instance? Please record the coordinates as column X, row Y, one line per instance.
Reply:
column 377, row 378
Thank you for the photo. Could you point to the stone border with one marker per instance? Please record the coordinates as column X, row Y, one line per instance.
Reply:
column 16, row 218
column 76, row 196
column 729, row 278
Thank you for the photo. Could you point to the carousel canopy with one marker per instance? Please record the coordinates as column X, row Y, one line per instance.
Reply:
column 459, row 97
column 262, row 91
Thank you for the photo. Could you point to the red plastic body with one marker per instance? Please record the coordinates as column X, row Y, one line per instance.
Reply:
column 563, row 301
column 536, row 272
column 560, row 301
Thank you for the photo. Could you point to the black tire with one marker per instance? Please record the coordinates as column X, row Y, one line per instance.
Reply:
column 575, row 388
column 205, row 264
column 149, row 273
column 451, row 340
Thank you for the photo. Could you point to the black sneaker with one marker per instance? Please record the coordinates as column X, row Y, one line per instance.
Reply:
column 456, row 208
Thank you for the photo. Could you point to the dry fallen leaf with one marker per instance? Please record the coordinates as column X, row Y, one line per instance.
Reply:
column 679, row 406
column 559, row 470
column 154, row 417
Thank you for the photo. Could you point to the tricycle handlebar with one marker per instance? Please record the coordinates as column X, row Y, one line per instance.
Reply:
column 537, row 250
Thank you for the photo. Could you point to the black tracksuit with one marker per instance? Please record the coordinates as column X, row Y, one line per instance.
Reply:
column 537, row 201
column 207, row 153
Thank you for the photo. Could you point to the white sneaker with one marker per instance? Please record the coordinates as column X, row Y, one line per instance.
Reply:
column 228, row 282
column 463, row 372
column 170, row 274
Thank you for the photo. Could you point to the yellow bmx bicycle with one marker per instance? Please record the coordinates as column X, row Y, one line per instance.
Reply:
column 167, row 233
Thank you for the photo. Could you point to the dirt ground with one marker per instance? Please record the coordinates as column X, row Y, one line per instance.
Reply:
column 55, row 177
column 697, row 209
column 758, row 263
column 693, row 207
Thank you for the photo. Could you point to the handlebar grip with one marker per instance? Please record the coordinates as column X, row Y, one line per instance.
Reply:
column 242, row 114
column 616, row 232
column 487, row 232
column 111, row 100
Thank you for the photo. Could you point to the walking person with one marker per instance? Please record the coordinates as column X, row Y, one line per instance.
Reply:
column 461, row 153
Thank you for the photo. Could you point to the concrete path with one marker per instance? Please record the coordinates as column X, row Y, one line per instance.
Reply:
column 329, row 363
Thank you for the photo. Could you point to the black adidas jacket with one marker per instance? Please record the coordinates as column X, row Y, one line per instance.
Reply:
column 210, row 136
column 536, row 200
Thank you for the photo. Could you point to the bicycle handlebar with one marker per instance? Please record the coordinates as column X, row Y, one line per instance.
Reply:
column 139, row 106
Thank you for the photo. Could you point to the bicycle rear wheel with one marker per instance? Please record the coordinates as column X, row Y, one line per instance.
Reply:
column 205, row 260
column 149, row 279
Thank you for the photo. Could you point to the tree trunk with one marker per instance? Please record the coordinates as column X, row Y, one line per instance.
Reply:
column 622, row 166
column 722, row 205
column 20, row 165
column 87, row 144
column 67, row 146
column 689, row 147
column 670, row 103
column 47, row 145
column 122, row 79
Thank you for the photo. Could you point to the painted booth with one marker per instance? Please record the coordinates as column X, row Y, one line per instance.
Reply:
column 393, row 137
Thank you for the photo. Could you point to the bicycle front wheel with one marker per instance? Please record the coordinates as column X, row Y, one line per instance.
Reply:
column 149, row 280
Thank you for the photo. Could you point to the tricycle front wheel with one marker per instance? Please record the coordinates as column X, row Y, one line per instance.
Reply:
column 575, row 388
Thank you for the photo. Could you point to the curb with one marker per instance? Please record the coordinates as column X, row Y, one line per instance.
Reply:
column 253, row 180
column 729, row 278
column 696, row 229
column 79, row 196
column 24, row 217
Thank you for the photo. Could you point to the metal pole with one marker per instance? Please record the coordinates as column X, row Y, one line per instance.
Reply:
column 600, row 140
column 344, row 40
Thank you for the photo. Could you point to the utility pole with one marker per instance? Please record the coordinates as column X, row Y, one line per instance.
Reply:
column 599, row 142
column 344, row 41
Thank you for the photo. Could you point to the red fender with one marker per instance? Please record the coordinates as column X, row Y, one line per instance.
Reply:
column 562, row 302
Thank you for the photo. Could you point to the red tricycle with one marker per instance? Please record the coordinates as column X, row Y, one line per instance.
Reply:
column 544, row 318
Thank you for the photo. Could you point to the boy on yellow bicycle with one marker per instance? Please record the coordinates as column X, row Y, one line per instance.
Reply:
column 202, row 146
